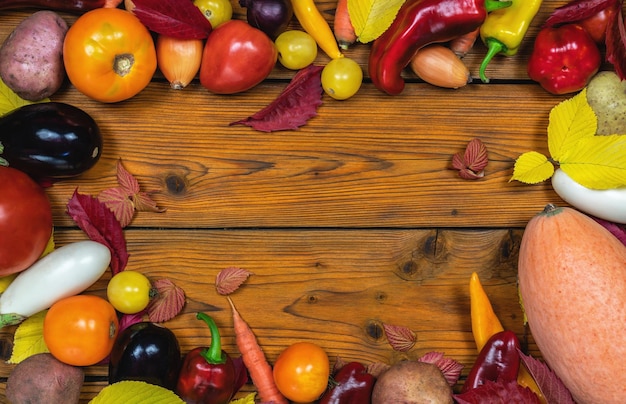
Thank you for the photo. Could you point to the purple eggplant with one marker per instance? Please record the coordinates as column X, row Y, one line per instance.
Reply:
column 49, row 141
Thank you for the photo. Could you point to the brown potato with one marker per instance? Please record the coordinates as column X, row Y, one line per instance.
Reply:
column 31, row 58
column 42, row 378
column 412, row 382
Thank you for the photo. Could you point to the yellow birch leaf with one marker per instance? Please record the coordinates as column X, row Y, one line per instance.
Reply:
column 10, row 101
column 598, row 162
column 570, row 120
column 5, row 281
column 28, row 338
column 532, row 168
column 135, row 392
column 249, row 399
column 370, row 18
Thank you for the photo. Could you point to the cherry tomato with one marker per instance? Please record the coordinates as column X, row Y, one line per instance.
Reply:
column 236, row 57
column 129, row 292
column 109, row 55
column 301, row 372
column 216, row 11
column 80, row 330
column 342, row 78
column 296, row 49
column 25, row 221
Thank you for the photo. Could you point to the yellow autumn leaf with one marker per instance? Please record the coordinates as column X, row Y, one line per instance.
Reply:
column 597, row 162
column 135, row 392
column 370, row 18
column 10, row 101
column 28, row 338
column 570, row 120
column 532, row 168
column 249, row 399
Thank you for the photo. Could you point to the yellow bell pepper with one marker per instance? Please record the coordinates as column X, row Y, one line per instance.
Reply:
column 504, row 29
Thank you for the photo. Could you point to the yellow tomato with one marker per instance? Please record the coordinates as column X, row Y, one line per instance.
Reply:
column 109, row 55
column 216, row 11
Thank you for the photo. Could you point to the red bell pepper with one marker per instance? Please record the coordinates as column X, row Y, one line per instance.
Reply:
column 208, row 375
column 564, row 59
column 498, row 361
column 352, row 384
column 417, row 24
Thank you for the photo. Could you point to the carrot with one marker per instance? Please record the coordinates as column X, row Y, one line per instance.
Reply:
column 255, row 361
column 344, row 31
column 464, row 43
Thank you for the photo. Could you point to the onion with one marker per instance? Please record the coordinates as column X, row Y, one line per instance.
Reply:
column 179, row 59
column 270, row 16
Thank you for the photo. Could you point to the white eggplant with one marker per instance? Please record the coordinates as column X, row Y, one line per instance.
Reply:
column 607, row 204
column 66, row 271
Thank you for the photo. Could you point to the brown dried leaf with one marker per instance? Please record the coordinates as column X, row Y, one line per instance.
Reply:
column 377, row 368
column 229, row 279
column 400, row 338
column 169, row 301
column 472, row 162
column 450, row 368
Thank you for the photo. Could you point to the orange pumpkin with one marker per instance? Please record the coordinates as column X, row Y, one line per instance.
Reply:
column 572, row 280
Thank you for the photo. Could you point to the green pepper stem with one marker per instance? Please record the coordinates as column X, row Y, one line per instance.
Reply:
column 491, row 5
column 494, row 47
column 213, row 354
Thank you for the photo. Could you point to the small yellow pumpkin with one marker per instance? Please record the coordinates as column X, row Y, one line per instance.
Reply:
column 572, row 280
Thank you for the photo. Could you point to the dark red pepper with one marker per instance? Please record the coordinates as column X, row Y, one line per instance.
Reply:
column 417, row 24
column 208, row 375
column 564, row 59
column 498, row 360
column 352, row 384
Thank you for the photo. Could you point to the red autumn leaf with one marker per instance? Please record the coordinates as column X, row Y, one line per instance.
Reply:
column 178, row 19
column 400, row 338
column 577, row 10
column 549, row 383
column 472, row 162
column 228, row 280
column 616, row 43
column 450, row 368
column 168, row 302
column 127, row 198
column 618, row 230
column 293, row 107
column 498, row 393
column 100, row 225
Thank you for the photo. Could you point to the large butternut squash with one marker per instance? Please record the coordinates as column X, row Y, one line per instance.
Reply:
column 572, row 280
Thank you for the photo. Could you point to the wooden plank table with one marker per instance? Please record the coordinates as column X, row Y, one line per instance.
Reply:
column 350, row 222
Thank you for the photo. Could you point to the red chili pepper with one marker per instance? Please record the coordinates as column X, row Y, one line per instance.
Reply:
column 352, row 384
column 208, row 375
column 499, row 360
column 564, row 59
column 417, row 24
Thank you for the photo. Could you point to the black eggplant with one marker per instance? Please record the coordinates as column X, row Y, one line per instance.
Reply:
column 146, row 352
column 49, row 141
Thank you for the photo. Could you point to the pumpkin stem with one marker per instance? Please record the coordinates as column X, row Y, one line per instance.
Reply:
column 550, row 209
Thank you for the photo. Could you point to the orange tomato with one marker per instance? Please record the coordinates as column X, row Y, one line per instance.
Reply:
column 301, row 372
column 109, row 55
column 80, row 330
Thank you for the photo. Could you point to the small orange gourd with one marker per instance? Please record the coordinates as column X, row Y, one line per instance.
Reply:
column 572, row 281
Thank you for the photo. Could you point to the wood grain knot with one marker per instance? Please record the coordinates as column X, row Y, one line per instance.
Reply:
column 374, row 330
column 175, row 184
column 311, row 299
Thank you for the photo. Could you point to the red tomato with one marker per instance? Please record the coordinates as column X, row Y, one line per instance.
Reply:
column 301, row 372
column 80, row 330
column 109, row 55
column 25, row 221
column 236, row 58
